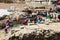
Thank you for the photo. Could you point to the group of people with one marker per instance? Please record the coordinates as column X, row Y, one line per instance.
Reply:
column 40, row 17
column 46, row 16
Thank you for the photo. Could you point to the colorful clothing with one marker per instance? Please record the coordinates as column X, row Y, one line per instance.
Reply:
column 25, row 22
column 38, row 22
column 7, row 21
column 49, row 16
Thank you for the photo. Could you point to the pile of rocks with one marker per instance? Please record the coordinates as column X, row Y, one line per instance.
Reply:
column 38, row 35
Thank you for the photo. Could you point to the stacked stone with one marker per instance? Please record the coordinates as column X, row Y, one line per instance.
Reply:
column 38, row 35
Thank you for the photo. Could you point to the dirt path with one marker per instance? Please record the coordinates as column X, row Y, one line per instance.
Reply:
column 2, row 35
column 7, row 5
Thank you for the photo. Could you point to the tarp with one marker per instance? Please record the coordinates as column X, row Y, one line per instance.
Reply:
column 4, row 12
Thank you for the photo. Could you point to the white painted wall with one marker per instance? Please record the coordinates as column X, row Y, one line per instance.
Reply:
column 4, row 12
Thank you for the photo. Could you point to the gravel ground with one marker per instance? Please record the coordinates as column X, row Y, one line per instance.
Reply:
column 54, row 26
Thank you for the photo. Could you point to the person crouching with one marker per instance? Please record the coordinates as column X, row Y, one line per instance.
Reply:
column 7, row 26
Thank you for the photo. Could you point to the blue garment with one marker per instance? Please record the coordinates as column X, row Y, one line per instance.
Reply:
column 38, row 22
column 45, row 14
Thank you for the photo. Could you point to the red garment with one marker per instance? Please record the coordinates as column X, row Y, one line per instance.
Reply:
column 25, row 22
column 7, row 27
column 7, row 21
